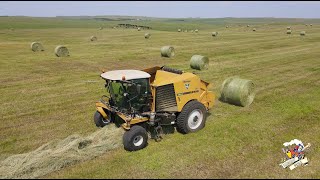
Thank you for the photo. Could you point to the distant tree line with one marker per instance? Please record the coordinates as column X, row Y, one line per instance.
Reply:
column 133, row 26
column 112, row 19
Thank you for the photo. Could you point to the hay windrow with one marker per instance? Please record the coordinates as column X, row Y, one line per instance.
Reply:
column 36, row 46
column 61, row 51
column 167, row 51
column 237, row 91
column 199, row 62
column 56, row 155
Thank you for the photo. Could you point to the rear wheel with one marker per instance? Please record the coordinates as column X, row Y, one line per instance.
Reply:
column 192, row 117
column 135, row 139
column 99, row 120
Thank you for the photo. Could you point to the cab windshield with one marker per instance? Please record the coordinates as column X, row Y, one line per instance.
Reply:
column 126, row 94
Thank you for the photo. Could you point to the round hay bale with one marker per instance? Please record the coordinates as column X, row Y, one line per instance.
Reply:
column 61, row 51
column 237, row 91
column 139, row 29
column 306, row 24
column 302, row 33
column 214, row 34
column 36, row 46
column 167, row 51
column 199, row 62
column 100, row 28
column 254, row 29
column 288, row 31
column 185, row 30
column 192, row 31
column 288, row 28
column 147, row 35
column 248, row 25
column 179, row 30
column 227, row 26
column 93, row 38
column 196, row 30
column 310, row 24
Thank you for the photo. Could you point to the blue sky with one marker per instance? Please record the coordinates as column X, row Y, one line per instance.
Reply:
column 174, row 9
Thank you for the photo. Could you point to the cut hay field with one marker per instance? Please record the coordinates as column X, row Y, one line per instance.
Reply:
column 45, row 98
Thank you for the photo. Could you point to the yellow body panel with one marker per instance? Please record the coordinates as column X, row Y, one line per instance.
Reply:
column 187, row 87
column 186, row 90
column 101, row 111
column 207, row 97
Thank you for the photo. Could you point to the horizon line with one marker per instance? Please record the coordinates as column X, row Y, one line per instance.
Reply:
column 149, row 17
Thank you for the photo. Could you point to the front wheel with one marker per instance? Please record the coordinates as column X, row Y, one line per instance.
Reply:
column 100, row 121
column 192, row 117
column 135, row 139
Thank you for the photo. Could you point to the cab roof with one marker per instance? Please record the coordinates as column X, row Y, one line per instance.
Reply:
column 128, row 74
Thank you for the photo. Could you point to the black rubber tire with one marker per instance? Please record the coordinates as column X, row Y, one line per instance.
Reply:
column 99, row 120
column 182, row 119
column 129, row 138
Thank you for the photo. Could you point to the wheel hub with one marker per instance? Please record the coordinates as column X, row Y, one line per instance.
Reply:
column 138, row 140
column 195, row 119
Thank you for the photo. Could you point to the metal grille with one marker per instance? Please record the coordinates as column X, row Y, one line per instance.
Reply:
column 165, row 98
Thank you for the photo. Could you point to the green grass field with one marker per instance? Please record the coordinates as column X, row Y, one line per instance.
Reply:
column 44, row 97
